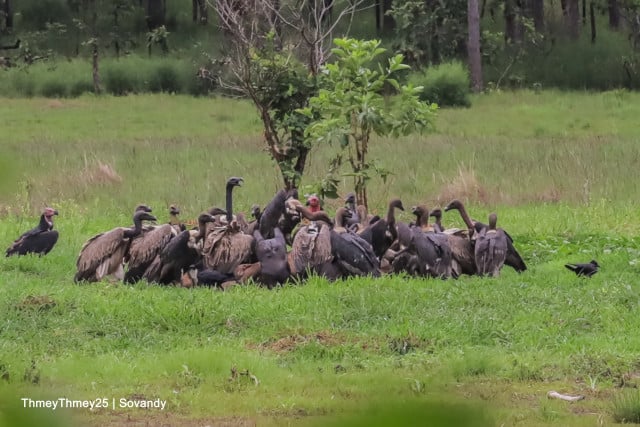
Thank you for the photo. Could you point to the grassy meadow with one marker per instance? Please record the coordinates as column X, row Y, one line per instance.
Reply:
column 560, row 169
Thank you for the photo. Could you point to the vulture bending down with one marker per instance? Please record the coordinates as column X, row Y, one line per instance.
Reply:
column 102, row 255
column 272, row 256
column 491, row 248
column 40, row 240
column 225, row 248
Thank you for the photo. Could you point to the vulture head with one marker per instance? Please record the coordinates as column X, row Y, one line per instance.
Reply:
column 350, row 199
column 454, row 204
column 143, row 208
column 313, row 202
column 235, row 182
column 173, row 210
column 255, row 211
column 49, row 212
column 143, row 216
column 396, row 203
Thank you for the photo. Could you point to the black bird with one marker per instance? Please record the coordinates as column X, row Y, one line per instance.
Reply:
column 39, row 240
column 588, row 269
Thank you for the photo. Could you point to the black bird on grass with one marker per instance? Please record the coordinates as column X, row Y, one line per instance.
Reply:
column 588, row 269
column 39, row 240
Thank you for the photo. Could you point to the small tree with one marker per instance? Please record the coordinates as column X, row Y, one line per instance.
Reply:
column 351, row 106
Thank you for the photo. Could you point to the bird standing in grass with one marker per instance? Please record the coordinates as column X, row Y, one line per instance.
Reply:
column 588, row 269
column 39, row 240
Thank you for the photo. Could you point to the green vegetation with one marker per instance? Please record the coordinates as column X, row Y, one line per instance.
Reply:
column 446, row 84
column 560, row 173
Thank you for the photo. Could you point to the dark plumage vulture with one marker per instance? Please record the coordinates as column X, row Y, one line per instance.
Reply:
column 143, row 208
column 39, row 240
column 588, row 269
column 382, row 233
column 353, row 254
column 180, row 253
column 428, row 253
column 491, row 248
column 273, row 212
column 103, row 254
column 272, row 256
column 225, row 248
column 462, row 249
column 513, row 260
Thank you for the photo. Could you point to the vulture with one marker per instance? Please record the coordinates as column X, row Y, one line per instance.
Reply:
column 146, row 247
column 39, row 240
column 103, row 254
column 382, row 233
column 437, row 214
column 180, row 253
column 311, row 247
column 513, row 260
column 225, row 248
column 272, row 256
column 274, row 214
column 491, row 248
column 352, row 253
column 313, row 202
column 428, row 253
column 174, row 220
column 588, row 269
column 462, row 250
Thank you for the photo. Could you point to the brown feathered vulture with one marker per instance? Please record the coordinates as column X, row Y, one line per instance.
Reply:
column 147, row 246
column 311, row 248
column 39, row 240
column 226, row 247
column 491, row 248
column 513, row 259
column 103, row 254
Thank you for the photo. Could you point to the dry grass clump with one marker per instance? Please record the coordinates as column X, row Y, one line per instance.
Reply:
column 100, row 174
column 466, row 187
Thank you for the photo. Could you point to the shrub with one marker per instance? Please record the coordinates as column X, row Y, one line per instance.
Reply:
column 121, row 78
column 24, row 84
column 79, row 87
column 165, row 78
column 445, row 84
column 54, row 87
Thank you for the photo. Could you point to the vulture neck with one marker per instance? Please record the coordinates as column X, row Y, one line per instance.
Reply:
column 173, row 219
column 493, row 221
column 313, row 216
column 339, row 220
column 422, row 219
column 137, row 228
column 465, row 216
column 46, row 224
column 202, row 229
column 391, row 215
column 229, row 205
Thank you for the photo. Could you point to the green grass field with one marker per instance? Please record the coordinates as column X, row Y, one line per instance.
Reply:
column 559, row 168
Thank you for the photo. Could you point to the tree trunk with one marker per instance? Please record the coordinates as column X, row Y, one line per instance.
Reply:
column 614, row 14
column 388, row 23
column 563, row 5
column 5, row 12
column 584, row 12
column 203, row 11
column 592, row 14
column 378, row 8
column 537, row 12
column 155, row 14
column 573, row 18
column 473, row 45
column 195, row 9
column 509, row 21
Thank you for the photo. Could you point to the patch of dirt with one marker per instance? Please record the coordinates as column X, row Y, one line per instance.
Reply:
column 36, row 302
column 55, row 103
column 162, row 419
column 291, row 342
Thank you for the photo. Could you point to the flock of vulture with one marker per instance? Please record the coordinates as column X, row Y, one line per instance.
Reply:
column 225, row 249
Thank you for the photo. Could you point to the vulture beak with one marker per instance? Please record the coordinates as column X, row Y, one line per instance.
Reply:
column 55, row 212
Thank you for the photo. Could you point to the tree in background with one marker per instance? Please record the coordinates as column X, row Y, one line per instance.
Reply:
column 274, row 52
column 350, row 107
column 473, row 46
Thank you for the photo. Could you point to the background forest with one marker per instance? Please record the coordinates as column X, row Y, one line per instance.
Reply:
column 49, row 46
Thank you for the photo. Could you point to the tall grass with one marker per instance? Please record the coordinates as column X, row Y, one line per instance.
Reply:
column 322, row 350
